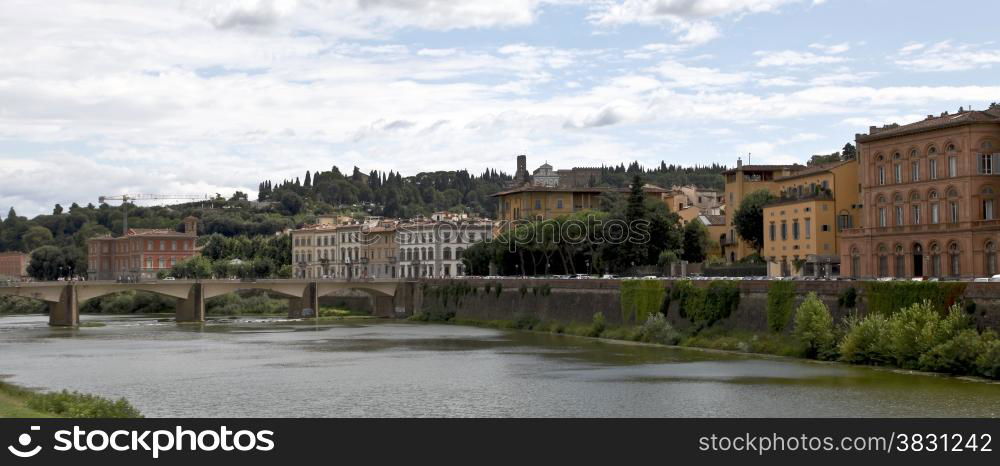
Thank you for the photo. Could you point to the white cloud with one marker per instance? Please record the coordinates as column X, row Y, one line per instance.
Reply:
column 669, row 11
column 946, row 56
column 832, row 49
column 793, row 58
column 683, row 76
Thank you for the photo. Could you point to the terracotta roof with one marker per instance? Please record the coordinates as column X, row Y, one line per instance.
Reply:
column 154, row 232
column 990, row 115
column 825, row 167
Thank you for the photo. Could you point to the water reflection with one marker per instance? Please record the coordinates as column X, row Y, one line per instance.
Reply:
column 281, row 368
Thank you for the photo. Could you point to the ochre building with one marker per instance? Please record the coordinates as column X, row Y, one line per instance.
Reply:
column 803, row 226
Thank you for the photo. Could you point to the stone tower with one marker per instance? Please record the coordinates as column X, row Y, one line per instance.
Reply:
column 191, row 226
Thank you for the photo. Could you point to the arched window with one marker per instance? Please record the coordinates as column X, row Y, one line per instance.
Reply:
column 447, row 254
column 954, row 260
column 855, row 262
column 883, row 261
column 914, row 153
column 932, row 150
column 459, row 252
column 953, row 214
column 991, row 258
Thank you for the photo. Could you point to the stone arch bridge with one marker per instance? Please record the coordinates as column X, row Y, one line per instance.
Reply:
column 64, row 298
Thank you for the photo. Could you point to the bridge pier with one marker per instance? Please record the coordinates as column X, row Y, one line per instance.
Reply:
column 66, row 312
column 192, row 309
column 309, row 300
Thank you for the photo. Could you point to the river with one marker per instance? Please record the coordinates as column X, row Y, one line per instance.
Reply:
column 377, row 369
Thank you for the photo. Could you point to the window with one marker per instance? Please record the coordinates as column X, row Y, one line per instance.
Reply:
column 882, row 221
column 986, row 164
column 953, row 211
column 795, row 229
column 559, row 204
column 932, row 168
column 843, row 221
column 883, row 262
column 784, row 231
column 899, row 216
column 881, row 175
column 914, row 171
column 538, row 204
column 855, row 263
column 772, row 231
column 987, row 209
column 808, row 227
column 897, row 173
column 952, row 166
column 915, row 214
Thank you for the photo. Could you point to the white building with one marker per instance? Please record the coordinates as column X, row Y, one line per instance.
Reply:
column 434, row 249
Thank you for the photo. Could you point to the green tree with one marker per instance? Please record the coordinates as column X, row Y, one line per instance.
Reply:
column 49, row 263
column 849, row 152
column 749, row 217
column 695, row 241
column 35, row 237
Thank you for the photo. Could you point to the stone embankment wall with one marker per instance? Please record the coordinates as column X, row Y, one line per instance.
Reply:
column 578, row 300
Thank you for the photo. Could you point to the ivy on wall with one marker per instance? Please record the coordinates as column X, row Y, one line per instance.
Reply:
column 888, row 297
column 706, row 306
column 640, row 299
column 780, row 299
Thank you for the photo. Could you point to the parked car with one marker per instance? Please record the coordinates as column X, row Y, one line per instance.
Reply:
column 169, row 278
column 995, row 278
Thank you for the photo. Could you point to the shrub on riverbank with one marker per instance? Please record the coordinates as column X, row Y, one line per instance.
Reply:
column 79, row 405
column 656, row 329
column 918, row 337
column 780, row 299
column 69, row 404
column 814, row 328
column 22, row 305
column 234, row 304
column 129, row 302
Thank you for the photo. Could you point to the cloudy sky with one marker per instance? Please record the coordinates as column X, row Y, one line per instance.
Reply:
column 192, row 96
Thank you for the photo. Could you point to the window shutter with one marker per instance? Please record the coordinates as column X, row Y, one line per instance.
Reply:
column 982, row 164
column 996, row 163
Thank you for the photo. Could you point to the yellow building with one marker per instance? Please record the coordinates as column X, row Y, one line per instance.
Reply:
column 542, row 202
column 741, row 181
column 802, row 228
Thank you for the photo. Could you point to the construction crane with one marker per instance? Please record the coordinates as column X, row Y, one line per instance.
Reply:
column 125, row 198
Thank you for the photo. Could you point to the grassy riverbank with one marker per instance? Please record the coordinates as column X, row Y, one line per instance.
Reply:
column 19, row 402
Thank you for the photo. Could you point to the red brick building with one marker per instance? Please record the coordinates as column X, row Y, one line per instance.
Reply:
column 141, row 253
column 929, row 191
column 13, row 264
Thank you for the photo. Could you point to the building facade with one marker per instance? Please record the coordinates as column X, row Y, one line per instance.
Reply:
column 803, row 226
column 740, row 182
column 141, row 253
column 435, row 248
column 929, row 191
column 13, row 265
